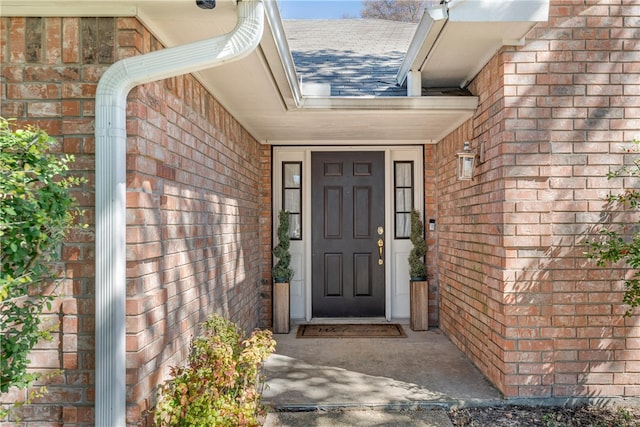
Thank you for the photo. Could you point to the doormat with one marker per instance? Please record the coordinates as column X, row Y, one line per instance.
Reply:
column 380, row 330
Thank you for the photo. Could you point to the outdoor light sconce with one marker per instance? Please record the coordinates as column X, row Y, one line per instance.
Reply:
column 466, row 163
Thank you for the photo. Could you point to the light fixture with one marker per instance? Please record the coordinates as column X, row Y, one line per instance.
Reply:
column 466, row 162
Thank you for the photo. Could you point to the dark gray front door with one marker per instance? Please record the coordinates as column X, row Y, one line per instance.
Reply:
column 347, row 217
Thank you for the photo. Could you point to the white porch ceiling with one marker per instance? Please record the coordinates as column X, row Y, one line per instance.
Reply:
column 261, row 91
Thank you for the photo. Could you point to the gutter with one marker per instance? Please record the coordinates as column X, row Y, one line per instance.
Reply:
column 282, row 47
column 425, row 39
column 110, row 159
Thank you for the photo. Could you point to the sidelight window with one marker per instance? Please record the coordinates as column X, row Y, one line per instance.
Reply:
column 403, row 201
column 292, row 197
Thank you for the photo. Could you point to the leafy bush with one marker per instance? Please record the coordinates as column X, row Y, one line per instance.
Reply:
column 36, row 211
column 219, row 384
column 621, row 242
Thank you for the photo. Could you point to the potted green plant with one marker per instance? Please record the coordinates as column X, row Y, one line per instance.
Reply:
column 417, row 267
column 418, row 287
column 281, row 271
column 282, row 274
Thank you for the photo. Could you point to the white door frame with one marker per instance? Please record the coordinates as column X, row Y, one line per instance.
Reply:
column 396, row 271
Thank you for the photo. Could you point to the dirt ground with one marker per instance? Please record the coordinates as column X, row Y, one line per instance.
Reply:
column 534, row 416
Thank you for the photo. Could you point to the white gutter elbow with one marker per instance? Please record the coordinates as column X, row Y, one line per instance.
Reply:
column 110, row 132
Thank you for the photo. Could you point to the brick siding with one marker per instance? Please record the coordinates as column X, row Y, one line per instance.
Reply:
column 430, row 212
column 196, row 204
column 266, row 237
column 517, row 295
column 45, row 83
column 512, row 288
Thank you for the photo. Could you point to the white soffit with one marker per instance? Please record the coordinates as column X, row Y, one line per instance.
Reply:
column 261, row 91
column 174, row 22
column 456, row 40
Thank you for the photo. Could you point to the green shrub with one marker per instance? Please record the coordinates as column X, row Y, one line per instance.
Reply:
column 282, row 272
column 621, row 242
column 219, row 386
column 417, row 267
column 36, row 211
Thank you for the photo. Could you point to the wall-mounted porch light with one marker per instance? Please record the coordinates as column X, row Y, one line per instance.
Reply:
column 466, row 162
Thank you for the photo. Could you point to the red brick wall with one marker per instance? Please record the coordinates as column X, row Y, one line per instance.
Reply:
column 266, row 237
column 517, row 294
column 470, row 254
column 195, row 200
column 430, row 212
column 51, row 84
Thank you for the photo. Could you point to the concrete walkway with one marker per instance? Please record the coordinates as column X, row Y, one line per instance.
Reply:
column 370, row 382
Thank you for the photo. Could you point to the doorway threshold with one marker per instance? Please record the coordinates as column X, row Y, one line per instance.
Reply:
column 341, row 320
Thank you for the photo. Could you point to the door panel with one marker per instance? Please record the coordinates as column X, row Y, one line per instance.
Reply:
column 362, row 213
column 362, row 274
column 347, row 209
column 333, row 198
column 333, row 276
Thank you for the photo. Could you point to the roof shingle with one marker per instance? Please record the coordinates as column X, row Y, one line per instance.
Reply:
column 357, row 57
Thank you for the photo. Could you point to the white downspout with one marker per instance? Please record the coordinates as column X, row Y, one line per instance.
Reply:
column 111, row 135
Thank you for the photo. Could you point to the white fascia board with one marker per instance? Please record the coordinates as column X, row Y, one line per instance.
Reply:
column 282, row 46
column 426, row 34
column 499, row 10
column 72, row 8
column 391, row 103
column 348, row 143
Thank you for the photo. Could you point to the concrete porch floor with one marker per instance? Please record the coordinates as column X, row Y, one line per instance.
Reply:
column 422, row 371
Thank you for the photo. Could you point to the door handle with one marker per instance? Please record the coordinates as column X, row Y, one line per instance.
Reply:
column 380, row 249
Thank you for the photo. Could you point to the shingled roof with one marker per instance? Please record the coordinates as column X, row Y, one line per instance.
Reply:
column 357, row 57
